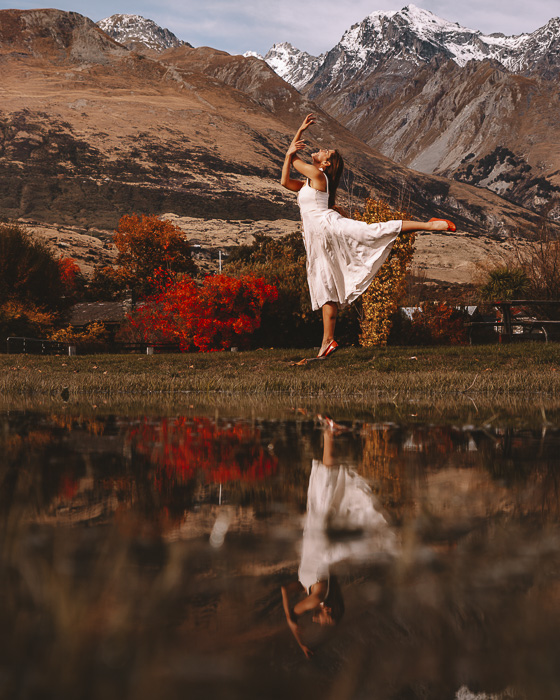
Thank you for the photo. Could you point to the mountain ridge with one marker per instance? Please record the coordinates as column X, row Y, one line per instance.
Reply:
column 385, row 80
column 375, row 39
column 137, row 32
column 196, row 132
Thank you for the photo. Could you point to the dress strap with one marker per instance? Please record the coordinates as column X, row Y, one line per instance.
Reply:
column 326, row 178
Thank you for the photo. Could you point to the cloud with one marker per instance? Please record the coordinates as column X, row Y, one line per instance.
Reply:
column 314, row 26
column 317, row 25
column 506, row 16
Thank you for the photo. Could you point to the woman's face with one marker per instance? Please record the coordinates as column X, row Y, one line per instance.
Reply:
column 323, row 615
column 322, row 156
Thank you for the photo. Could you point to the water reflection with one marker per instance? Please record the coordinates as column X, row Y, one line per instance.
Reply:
column 343, row 523
column 145, row 557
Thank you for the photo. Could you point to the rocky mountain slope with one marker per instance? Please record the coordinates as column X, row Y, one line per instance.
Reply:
column 433, row 95
column 90, row 131
column 138, row 33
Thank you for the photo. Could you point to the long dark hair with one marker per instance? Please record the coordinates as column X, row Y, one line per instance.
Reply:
column 334, row 599
column 333, row 171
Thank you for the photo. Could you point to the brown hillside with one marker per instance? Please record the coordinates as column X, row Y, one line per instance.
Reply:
column 90, row 130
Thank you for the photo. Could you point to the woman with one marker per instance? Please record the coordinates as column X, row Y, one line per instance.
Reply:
column 343, row 255
column 339, row 500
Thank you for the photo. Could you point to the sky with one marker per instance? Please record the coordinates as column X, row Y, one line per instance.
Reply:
column 314, row 26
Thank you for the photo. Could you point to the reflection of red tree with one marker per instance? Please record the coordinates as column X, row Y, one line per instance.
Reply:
column 68, row 488
column 184, row 448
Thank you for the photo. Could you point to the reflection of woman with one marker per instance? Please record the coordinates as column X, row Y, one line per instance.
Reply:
column 337, row 499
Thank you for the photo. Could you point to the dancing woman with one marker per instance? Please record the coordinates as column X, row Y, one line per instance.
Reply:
column 343, row 255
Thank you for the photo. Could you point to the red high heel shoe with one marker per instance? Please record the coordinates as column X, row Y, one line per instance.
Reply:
column 331, row 347
column 450, row 225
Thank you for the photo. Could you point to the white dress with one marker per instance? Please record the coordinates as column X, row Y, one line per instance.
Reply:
column 340, row 499
column 343, row 255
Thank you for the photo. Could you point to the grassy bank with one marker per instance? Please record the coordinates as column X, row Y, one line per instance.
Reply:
column 528, row 369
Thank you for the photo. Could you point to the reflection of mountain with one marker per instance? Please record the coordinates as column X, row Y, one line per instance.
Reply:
column 459, row 475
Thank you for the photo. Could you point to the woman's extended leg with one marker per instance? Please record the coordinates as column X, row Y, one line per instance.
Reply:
column 330, row 312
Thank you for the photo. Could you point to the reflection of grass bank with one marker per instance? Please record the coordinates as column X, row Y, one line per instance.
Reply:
column 516, row 410
column 352, row 374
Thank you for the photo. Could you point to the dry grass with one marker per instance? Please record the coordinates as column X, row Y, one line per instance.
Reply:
column 529, row 369
column 351, row 373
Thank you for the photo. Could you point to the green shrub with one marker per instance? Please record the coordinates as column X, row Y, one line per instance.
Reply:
column 505, row 283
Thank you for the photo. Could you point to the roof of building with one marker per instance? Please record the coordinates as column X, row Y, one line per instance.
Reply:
column 106, row 311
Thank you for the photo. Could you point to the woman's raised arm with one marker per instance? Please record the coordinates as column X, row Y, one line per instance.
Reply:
column 286, row 181
column 292, row 158
column 291, row 618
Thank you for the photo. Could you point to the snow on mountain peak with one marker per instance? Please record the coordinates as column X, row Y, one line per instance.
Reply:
column 253, row 54
column 135, row 30
column 294, row 66
column 413, row 35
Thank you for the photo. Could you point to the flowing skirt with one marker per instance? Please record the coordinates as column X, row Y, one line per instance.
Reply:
column 343, row 255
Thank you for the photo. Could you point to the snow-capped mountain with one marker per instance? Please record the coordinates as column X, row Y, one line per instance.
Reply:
column 413, row 35
column 442, row 98
column 136, row 32
column 294, row 66
column 416, row 35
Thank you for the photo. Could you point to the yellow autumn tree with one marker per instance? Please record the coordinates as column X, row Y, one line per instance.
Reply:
column 382, row 297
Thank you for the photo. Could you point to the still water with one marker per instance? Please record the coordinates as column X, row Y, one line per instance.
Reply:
column 163, row 556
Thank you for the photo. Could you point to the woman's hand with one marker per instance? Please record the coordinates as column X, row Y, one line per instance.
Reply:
column 293, row 625
column 307, row 122
column 295, row 146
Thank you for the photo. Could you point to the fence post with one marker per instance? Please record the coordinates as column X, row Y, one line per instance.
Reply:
column 71, row 350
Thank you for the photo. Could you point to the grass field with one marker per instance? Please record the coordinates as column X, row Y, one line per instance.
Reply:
column 352, row 374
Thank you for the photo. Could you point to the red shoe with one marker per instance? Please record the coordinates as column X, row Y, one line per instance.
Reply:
column 331, row 347
column 450, row 225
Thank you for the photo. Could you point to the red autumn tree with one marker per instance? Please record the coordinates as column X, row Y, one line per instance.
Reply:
column 186, row 448
column 438, row 323
column 71, row 278
column 221, row 313
column 146, row 244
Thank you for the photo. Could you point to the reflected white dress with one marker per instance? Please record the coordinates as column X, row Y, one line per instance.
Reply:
column 340, row 499
column 343, row 255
